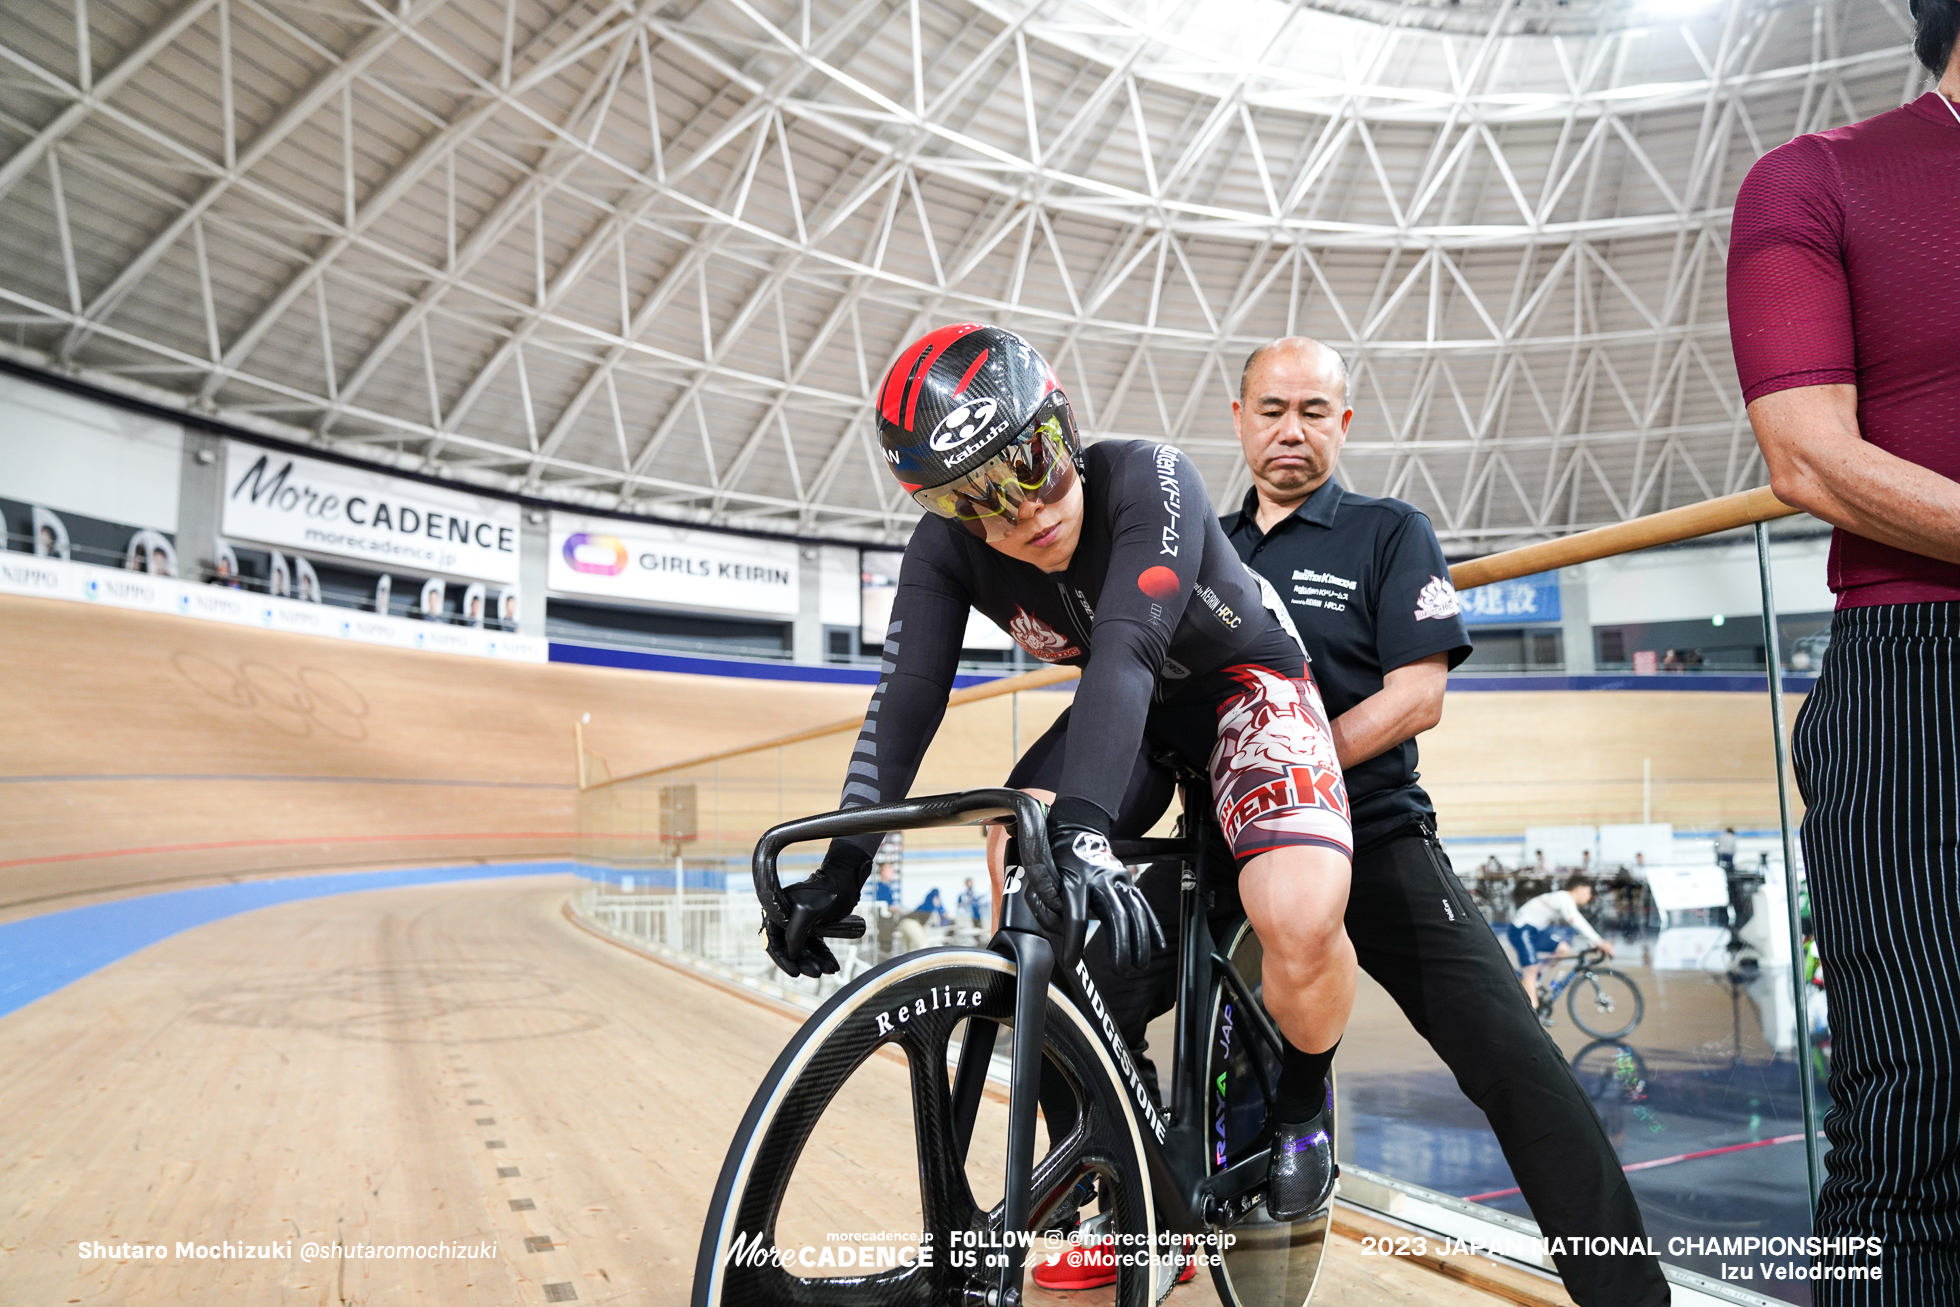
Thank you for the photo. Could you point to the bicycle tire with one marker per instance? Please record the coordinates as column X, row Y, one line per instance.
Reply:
column 1270, row 1263
column 1597, row 1016
column 735, row 1266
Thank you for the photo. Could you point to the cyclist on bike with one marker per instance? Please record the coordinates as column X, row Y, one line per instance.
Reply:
column 1108, row 558
column 1530, row 928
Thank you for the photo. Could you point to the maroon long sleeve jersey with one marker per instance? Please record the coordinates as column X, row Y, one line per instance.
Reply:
column 1844, row 269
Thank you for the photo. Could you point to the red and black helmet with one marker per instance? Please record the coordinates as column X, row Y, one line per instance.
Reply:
column 958, row 397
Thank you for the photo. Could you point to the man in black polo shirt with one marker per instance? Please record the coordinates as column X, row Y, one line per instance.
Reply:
column 1365, row 582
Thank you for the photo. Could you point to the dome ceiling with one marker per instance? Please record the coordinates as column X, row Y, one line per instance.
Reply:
column 656, row 256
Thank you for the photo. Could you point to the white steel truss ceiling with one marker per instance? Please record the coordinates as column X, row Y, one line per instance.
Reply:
column 656, row 255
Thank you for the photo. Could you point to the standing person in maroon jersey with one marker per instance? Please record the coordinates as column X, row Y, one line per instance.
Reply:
column 1844, row 306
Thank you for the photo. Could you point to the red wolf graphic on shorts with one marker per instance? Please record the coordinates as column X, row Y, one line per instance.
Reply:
column 1274, row 773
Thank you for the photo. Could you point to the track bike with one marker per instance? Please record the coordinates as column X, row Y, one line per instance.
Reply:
column 1604, row 1003
column 1195, row 1171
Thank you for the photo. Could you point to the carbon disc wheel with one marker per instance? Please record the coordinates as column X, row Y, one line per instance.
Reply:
column 914, row 1003
column 1269, row 1263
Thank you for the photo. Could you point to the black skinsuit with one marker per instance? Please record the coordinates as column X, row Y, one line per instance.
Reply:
column 1154, row 591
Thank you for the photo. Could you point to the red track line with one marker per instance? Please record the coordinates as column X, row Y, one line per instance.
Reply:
column 1665, row 1161
column 262, row 844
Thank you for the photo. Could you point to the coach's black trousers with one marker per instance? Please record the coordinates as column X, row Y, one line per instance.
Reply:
column 1877, row 753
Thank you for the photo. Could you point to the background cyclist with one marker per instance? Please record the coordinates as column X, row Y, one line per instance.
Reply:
column 1110, row 559
column 1531, row 926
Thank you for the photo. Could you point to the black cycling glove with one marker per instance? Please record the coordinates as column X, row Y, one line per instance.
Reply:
column 1078, row 836
column 821, row 899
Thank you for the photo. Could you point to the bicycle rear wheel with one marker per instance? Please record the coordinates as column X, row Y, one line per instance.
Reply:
column 1604, row 1003
column 1270, row 1263
column 915, row 1003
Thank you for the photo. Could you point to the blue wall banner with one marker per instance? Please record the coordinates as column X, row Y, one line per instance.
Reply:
column 1512, row 603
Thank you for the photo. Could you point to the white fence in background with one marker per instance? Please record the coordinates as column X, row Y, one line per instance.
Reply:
column 721, row 933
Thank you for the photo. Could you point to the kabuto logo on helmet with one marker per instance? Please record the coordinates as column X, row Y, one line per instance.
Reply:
column 956, row 396
column 964, row 425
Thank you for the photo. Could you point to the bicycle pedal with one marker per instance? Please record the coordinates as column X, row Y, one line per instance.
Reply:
column 1228, row 1212
column 851, row 927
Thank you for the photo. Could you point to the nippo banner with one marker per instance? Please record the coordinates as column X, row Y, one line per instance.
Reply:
column 672, row 566
column 112, row 587
column 324, row 508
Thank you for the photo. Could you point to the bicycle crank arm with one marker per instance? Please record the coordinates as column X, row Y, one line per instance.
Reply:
column 1228, row 1197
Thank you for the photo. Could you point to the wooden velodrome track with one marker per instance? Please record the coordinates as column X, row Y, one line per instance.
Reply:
column 407, row 1066
column 339, row 1068
column 150, row 750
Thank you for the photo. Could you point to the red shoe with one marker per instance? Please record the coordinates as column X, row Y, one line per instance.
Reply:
column 1082, row 1266
column 1089, row 1267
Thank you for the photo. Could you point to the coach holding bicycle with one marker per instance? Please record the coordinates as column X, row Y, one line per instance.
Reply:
column 1365, row 582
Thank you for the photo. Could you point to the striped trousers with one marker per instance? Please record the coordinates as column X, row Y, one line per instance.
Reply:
column 1877, row 755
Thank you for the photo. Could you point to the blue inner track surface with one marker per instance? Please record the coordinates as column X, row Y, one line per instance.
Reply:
column 39, row 955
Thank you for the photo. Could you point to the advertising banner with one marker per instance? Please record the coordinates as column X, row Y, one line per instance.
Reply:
column 1512, row 603
column 57, row 578
column 323, row 508
column 672, row 566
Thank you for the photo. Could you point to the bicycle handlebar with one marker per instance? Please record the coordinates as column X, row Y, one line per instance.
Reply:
column 966, row 808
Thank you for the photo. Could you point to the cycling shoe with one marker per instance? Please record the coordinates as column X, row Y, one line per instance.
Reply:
column 1302, row 1176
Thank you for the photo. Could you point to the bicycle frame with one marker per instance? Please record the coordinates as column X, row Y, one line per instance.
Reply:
column 1581, row 963
column 1189, row 1197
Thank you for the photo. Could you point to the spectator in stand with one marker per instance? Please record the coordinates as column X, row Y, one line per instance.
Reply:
column 912, row 926
column 887, row 889
column 1725, row 850
column 1672, row 662
column 1844, row 312
column 972, row 905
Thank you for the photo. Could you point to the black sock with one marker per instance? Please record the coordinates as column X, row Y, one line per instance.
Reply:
column 1302, row 1090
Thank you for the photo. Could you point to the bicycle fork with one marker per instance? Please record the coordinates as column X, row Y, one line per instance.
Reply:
column 1034, row 966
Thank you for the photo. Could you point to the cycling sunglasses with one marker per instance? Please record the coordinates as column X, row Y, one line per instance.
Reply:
column 987, row 501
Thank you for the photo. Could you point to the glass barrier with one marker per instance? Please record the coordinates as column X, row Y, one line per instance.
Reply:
column 1655, row 776
column 701, row 820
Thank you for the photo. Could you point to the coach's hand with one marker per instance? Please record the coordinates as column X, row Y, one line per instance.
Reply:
column 1078, row 836
column 821, row 899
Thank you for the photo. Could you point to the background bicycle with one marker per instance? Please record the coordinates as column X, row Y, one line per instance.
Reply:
column 1601, row 1001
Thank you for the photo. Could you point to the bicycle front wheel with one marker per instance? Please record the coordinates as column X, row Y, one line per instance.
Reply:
column 813, row 1159
column 1604, row 1003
